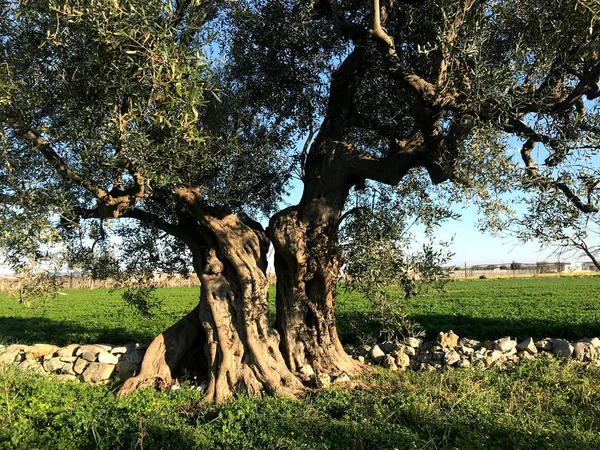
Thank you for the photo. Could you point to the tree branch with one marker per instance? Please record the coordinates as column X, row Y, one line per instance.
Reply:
column 425, row 89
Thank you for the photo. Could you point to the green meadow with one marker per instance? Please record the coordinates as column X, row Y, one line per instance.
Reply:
column 543, row 404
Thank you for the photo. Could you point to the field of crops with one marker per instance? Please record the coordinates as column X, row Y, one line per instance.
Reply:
column 542, row 404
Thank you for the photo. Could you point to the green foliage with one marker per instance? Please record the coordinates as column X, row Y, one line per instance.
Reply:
column 527, row 407
column 378, row 247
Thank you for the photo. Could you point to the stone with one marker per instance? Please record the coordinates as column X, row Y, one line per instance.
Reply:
column 488, row 345
column 67, row 369
column 124, row 369
column 504, row 344
column 377, row 354
column 544, row 344
column 524, row 355
column 594, row 341
column 423, row 357
column 527, row 345
column 119, row 350
column 362, row 350
column 135, row 357
column 413, row 342
column 389, row 346
column 88, row 355
column 33, row 366
column 410, row 351
column 342, row 378
column 323, row 380
column 437, row 355
column 492, row 357
column 435, row 364
column 105, row 347
column 562, row 348
column 451, row 357
column 107, row 358
column 80, row 366
column 389, row 362
column 402, row 359
column 11, row 354
column 447, row 340
column 40, row 350
column 307, row 371
column 53, row 365
column 360, row 359
column 466, row 350
column 469, row 343
column 68, row 359
column 67, row 351
column 584, row 351
column 464, row 363
column 97, row 372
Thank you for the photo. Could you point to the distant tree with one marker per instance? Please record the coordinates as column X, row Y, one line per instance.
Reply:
column 515, row 266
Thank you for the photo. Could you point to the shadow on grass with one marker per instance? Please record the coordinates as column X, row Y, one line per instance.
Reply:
column 43, row 330
column 350, row 326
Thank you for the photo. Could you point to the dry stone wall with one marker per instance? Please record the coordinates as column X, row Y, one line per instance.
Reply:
column 93, row 364
column 98, row 364
column 450, row 351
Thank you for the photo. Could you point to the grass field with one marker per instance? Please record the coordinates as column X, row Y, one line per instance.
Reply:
column 544, row 404
column 567, row 307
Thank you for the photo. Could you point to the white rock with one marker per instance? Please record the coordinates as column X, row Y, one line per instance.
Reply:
column 451, row 357
column 505, row 344
column 402, row 359
column 594, row 341
column 97, row 372
column 67, row 351
column 377, row 354
column 389, row 362
column 342, row 378
column 584, row 351
column 528, row 346
column 107, row 358
column 80, row 366
column 307, row 371
column 413, row 342
column 464, row 363
column 119, row 350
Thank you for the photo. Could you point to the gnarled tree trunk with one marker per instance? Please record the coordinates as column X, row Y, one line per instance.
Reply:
column 307, row 263
column 241, row 352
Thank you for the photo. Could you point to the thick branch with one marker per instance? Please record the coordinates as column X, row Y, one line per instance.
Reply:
column 425, row 89
column 69, row 175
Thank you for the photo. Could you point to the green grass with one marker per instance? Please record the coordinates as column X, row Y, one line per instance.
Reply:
column 565, row 307
column 539, row 405
column 90, row 316
column 544, row 404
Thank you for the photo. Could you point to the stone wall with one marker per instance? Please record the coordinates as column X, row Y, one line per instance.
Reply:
column 97, row 364
column 449, row 351
column 93, row 364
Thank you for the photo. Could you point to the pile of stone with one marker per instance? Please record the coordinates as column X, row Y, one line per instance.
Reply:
column 93, row 364
column 449, row 351
column 97, row 364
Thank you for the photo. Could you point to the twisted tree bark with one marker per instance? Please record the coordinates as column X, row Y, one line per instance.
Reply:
column 241, row 352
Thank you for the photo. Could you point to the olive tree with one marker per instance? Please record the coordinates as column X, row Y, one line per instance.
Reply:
column 112, row 113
